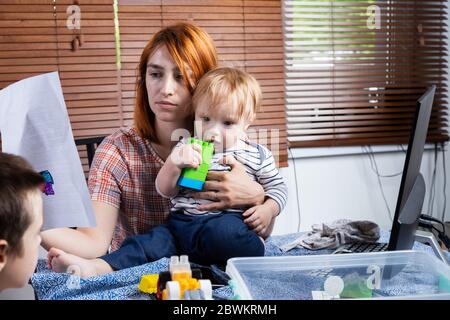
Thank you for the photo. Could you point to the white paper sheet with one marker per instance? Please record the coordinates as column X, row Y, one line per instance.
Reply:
column 34, row 124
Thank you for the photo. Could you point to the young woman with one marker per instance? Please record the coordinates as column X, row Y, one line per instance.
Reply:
column 122, row 176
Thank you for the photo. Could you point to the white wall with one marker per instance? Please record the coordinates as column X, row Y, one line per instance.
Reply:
column 344, row 186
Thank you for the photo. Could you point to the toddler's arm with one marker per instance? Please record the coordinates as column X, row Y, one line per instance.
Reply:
column 261, row 217
column 182, row 156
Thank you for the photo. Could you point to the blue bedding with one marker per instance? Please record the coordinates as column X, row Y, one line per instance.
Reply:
column 121, row 285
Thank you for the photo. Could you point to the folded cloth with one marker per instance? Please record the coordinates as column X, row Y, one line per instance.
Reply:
column 335, row 234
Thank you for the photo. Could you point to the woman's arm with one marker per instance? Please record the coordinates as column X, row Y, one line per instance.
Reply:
column 85, row 242
column 230, row 189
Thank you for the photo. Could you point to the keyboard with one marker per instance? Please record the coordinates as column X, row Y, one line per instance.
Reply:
column 359, row 247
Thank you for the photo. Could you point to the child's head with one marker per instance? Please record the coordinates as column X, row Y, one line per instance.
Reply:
column 225, row 103
column 20, row 220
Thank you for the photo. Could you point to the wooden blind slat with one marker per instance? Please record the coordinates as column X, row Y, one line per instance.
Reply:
column 34, row 39
column 344, row 79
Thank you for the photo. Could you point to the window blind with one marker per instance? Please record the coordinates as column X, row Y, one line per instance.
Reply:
column 354, row 70
column 36, row 37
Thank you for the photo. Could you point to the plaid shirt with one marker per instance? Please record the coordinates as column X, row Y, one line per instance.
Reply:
column 123, row 175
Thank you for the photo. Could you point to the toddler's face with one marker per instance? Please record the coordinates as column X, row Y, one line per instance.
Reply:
column 221, row 125
column 19, row 268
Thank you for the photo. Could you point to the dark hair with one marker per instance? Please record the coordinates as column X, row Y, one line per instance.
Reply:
column 17, row 180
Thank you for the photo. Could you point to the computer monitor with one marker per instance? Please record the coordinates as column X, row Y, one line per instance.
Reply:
column 412, row 187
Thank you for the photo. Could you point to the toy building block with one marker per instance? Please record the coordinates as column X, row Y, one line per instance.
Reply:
column 205, row 289
column 444, row 284
column 195, row 178
column 193, row 295
column 188, row 289
column 179, row 283
column 356, row 288
column 149, row 283
column 180, row 268
column 234, row 289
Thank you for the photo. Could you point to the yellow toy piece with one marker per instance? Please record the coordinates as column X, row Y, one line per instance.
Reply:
column 149, row 283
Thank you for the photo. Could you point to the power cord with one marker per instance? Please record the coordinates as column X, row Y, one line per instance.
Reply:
column 433, row 182
column 373, row 164
column 426, row 221
column 445, row 182
column 297, row 195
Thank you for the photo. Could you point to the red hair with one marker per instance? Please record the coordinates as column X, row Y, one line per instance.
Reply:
column 188, row 45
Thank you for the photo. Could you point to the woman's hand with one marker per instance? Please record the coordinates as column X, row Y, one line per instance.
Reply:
column 230, row 189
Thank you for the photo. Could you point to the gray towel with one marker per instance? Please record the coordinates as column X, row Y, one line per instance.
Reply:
column 335, row 234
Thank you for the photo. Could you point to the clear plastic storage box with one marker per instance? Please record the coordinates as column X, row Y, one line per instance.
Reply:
column 381, row 275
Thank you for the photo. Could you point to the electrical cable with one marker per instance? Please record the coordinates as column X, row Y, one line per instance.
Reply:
column 432, row 219
column 445, row 183
column 374, row 166
column 296, row 190
column 403, row 149
column 440, row 234
column 433, row 183
column 426, row 221
column 428, row 225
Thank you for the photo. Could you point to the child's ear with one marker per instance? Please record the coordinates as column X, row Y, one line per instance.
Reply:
column 3, row 254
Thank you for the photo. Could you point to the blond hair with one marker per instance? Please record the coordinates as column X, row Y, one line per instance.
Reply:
column 231, row 86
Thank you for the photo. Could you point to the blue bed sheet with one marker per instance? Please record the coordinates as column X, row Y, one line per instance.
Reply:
column 121, row 285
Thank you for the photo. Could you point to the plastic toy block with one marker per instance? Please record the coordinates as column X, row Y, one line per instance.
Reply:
column 179, row 267
column 444, row 284
column 193, row 295
column 149, row 283
column 178, row 283
column 177, row 290
column 356, row 289
column 233, row 287
column 195, row 178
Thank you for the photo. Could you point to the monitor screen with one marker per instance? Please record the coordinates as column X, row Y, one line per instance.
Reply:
column 412, row 187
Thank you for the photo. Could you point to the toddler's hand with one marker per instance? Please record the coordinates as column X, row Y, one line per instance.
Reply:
column 187, row 156
column 258, row 218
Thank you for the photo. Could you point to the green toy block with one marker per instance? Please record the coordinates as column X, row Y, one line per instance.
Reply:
column 444, row 284
column 356, row 288
column 195, row 178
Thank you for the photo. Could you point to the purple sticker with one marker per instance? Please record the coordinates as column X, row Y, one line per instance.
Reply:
column 48, row 189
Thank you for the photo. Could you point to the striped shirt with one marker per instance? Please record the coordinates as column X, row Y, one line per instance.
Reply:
column 260, row 166
column 123, row 175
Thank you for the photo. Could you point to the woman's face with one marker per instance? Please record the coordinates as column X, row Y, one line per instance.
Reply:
column 168, row 96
